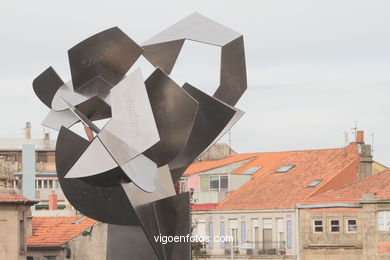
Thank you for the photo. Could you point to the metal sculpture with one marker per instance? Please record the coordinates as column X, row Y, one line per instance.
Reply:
column 125, row 175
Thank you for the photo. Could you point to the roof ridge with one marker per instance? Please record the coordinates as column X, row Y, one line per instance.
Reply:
column 219, row 165
column 304, row 150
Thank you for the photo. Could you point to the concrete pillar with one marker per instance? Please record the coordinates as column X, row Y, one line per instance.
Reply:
column 28, row 155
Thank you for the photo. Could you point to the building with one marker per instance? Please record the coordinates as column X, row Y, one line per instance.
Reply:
column 212, row 181
column 262, row 212
column 42, row 180
column 351, row 222
column 15, row 224
column 75, row 237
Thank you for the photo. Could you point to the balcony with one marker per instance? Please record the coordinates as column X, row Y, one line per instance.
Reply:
column 259, row 248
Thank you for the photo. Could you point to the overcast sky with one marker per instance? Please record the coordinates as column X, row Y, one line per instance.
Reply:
column 314, row 67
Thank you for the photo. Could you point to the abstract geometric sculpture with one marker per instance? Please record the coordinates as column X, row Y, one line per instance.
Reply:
column 125, row 174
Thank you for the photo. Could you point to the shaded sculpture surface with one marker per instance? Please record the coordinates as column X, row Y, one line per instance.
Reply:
column 124, row 174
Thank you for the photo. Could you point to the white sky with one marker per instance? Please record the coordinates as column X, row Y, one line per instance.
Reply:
column 314, row 67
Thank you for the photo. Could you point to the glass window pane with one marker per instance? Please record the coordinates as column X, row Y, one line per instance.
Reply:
column 318, row 229
column 318, row 222
column 334, row 225
column 224, row 182
column 285, row 168
column 352, row 228
column 214, row 182
column 204, row 182
column 335, row 229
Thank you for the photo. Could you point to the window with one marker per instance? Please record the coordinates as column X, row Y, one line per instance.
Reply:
column 22, row 239
column 49, row 257
column 211, row 245
column 233, row 226
column 267, row 233
column 318, row 226
column 289, row 234
column 182, row 185
column 351, row 226
column 30, row 258
column 255, row 233
column 222, row 234
column 280, row 228
column 251, row 170
column 213, row 182
column 334, row 225
column 224, row 182
column 50, row 184
column 314, row 183
column 201, row 228
column 243, row 231
column 285, row 168
column 57, row 184
column 383, row 220
column 204, row 182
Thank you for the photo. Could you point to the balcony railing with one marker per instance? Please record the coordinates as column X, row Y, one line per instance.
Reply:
column 258, row 248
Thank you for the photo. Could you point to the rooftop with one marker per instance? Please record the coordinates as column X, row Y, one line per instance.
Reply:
column 56, row 231
column 208, row 165
column 201, row 207
column 379, row 185
column 15, row 144
column 14, row 199
column 271, row 187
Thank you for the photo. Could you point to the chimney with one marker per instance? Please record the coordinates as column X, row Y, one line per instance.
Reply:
column 365, row 166
column 360, row 137
column 53, row 201
column 28, row 130
column 46, row 141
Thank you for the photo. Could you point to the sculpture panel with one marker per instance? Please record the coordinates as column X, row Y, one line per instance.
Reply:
column 125, row 174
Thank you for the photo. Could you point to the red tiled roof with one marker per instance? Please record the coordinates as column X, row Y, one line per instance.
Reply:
column 208, row 165
column 209, row 206
column 378, row 184
column 267, row 189
column 56, row 231
column 16, row 199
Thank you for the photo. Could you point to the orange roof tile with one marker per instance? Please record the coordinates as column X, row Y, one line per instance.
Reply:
column 56, row 231
column 209, row 206
column 208, row 165
column 267, row 189
column 378, row 184
column 16, row 199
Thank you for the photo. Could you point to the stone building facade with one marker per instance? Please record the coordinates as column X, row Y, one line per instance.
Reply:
column 352, row 222
column 15, row 225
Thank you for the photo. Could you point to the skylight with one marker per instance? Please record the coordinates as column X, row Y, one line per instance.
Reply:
column 285, row 168
column 251, row 170
column 314, row 183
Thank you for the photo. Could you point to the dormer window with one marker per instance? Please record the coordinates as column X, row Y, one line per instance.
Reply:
column 251, row 170
column 285, row 168
column 314, row 183
column 214, row 182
